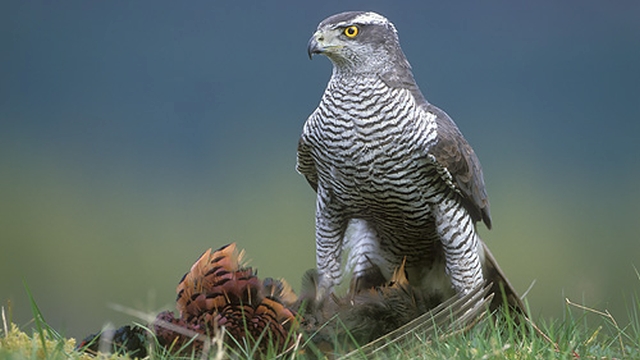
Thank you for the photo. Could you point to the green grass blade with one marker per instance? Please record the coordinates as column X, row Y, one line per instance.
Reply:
column 37, row 317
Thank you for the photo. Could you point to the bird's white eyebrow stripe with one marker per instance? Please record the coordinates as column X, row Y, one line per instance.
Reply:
column 370, row 18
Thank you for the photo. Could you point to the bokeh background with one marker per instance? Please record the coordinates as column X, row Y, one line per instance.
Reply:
column 134, row 135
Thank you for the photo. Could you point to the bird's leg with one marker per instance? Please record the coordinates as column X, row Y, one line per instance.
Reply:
column 461, row 246
column 364, row 260
column 330, row 229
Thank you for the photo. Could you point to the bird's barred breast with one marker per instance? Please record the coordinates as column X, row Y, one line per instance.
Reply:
column 370, row 145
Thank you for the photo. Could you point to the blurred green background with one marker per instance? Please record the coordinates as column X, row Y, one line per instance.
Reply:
column 134, row 135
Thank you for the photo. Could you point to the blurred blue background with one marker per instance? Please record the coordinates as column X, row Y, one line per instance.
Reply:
column 134, row 135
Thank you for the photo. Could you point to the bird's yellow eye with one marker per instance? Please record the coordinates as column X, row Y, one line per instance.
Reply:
column 351, row 31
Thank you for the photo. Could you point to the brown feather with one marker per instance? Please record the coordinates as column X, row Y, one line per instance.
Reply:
column 218, row 291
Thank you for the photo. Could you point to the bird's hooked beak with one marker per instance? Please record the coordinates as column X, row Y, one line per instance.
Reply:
column 323, row 42
column 314, row 46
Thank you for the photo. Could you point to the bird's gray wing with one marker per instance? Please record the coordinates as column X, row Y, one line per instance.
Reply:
column 454, row 155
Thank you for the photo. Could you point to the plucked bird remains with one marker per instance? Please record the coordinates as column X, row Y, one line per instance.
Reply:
column 219, row 292
column 395, row 179
column 370, row 319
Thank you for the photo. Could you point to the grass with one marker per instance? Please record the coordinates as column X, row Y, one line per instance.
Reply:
column 583, row 333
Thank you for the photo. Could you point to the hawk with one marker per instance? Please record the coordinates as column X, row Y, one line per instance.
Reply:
column 396, row 181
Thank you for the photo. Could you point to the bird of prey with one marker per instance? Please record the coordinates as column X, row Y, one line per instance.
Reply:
column 395, row 179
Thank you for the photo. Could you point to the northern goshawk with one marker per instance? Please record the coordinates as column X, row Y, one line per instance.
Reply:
column 395, row 179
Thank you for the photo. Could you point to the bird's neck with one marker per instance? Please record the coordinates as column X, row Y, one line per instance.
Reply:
column 397, row 77
column 347, row 74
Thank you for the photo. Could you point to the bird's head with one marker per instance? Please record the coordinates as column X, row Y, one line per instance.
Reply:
column 358, row 41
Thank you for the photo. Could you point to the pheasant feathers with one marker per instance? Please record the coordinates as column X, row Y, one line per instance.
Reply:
column 219, row 293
